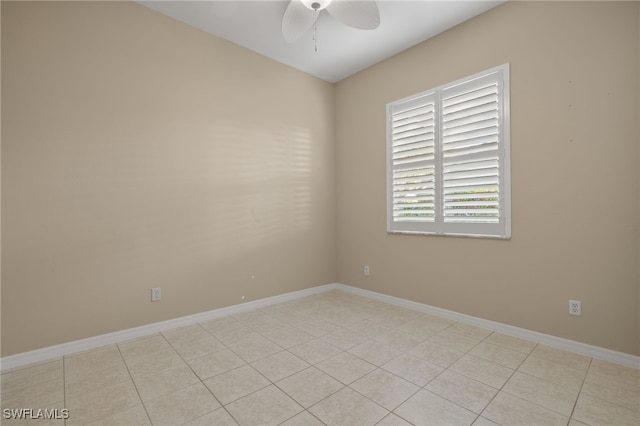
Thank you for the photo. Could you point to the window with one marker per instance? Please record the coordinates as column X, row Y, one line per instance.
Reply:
column 448, row 162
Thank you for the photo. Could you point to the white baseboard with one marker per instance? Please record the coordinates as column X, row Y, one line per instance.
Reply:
column 597, row 352
column 39, row 355
column 52, row 352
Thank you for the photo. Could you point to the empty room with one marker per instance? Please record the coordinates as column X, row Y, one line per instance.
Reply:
column 320, row 213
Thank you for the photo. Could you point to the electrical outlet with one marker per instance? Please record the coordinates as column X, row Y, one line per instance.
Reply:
column 155, row 294
column 366, row 271
column 575, row 307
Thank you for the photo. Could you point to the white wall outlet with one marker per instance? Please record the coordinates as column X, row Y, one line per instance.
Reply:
column 155, row 294
column 366, row 271
column 575, row 307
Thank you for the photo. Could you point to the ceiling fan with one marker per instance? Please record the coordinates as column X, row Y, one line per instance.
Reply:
column 300, row 15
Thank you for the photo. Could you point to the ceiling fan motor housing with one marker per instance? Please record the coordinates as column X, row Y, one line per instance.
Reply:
column 316, row 4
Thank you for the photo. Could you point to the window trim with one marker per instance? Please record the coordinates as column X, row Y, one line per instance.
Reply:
column 500, row 230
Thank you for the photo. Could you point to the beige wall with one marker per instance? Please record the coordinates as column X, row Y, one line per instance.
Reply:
column 138, row 152
column 574, row 139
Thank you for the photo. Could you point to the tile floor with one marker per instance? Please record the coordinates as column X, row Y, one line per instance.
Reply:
column 333, row 358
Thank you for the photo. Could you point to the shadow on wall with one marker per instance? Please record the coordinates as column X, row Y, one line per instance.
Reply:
column 129, row 206
column 256, row 189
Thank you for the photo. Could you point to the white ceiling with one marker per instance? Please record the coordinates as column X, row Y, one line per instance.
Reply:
column 342, row 51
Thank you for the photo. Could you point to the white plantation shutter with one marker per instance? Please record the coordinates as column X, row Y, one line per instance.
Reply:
column 413, row 159
column 448, row 159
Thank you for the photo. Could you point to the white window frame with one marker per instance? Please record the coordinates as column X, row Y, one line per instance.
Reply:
column 435, row 222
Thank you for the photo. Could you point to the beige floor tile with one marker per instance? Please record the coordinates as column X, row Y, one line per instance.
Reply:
column 154, row 361
column 436, row 354
column 344, row 339
column 594, row 411
column 568, row 359
column 452, row 340
column 157, row 383
column 315, row 351
column 375, row 352
column 573, row 422
column 283, row 310
column 506, row 409
column 510, row 342
column 384, row 388
column 185, row 334
column 32, row 375
column 461, row 390
column 235, row 384
column 362, row 310
column 422, row 328
column 102, row 403
column 393, row 420
column 499, row 355
column 143, row 346
column 413, row 369
column 215, row 363
column 619, row 373
column 303, row 419
column 235, row 335
column 347, row 407
column 268, row 406
column 87, row 364
column 181, row 406
column 345, row 368
column 309, row 386
column 50, row 393
column 99, row 356
column 368, row 328
column 220, row 324
column 219, row 417
column 483, row 421
column 553, row 372
column 77, row 384
column 394, row 318
column 399, row 340
column 135, row 416
column 482, row 370
column 278, row 366
column 541, row 392
column 288, row 337
column 250, row 316
column 426, row 408
column 346, row 316
column 255, row 348
column 472, row 331
column 385, row 353
column 316, row 328
column 612, row 390
column 267, row 324
column 195, row 348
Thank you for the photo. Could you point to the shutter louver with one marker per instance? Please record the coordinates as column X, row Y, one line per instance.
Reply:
column 448, row 159
column 413, row 164
column 471, row 155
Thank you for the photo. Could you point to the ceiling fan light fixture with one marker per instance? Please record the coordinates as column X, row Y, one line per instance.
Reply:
column 316, row 4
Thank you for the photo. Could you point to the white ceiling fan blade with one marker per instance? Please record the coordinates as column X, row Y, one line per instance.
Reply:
column 361, row 14
column 297, row 20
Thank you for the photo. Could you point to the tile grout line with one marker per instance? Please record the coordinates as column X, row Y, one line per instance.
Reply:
column 575, row 403
column 195, row 374
column 124, row 361
column 246, row 364
column 505, row 382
